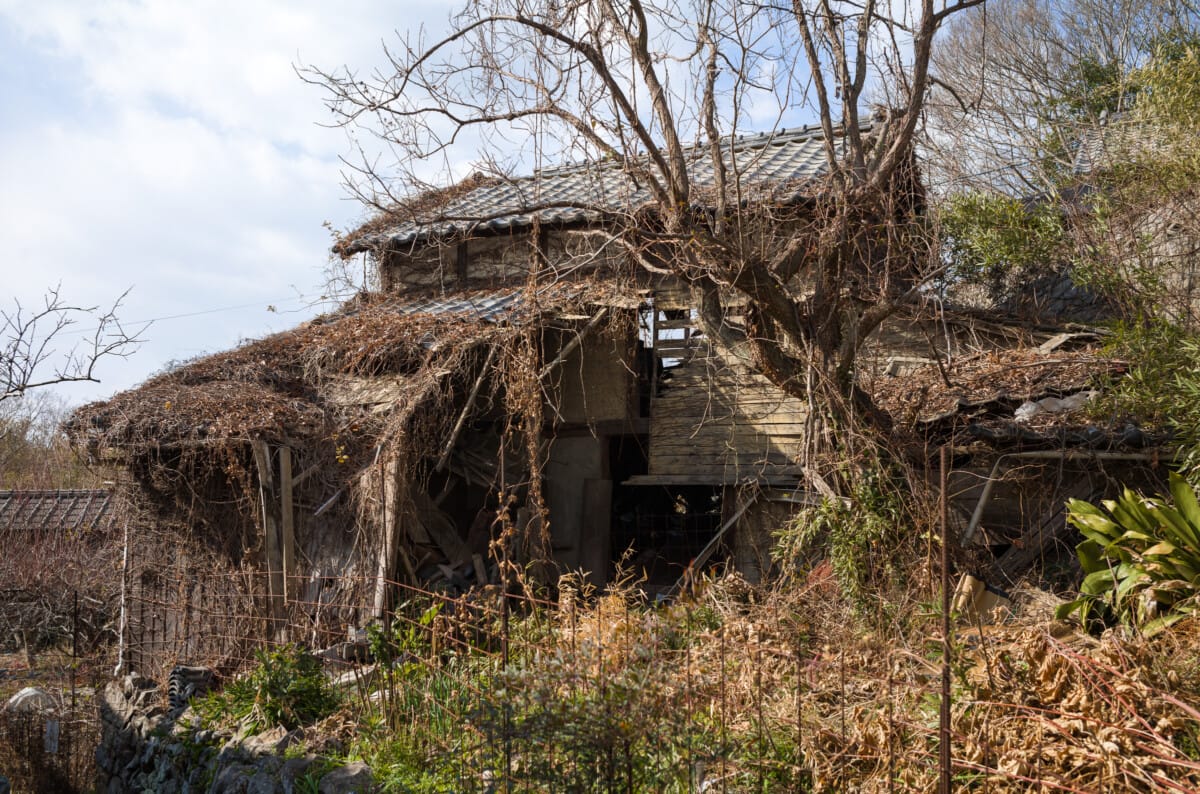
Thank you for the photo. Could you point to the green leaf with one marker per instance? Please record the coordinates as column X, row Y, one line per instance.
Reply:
column 1096, row 525
column 1185, row 500
column 1097, row 583
column 1091, row 556
column 1063, row 611
column 1118, row 551
column 1132, row 513
column 1128, row 590
column 1182, row 522
column 1174, row 526
column 1163, row 548
column 1160, row 623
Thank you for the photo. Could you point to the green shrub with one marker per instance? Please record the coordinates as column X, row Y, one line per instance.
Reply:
column 997, row 240
column 1141, row 559
column 1157, row 351
column 861, row 537
column 1161, row 390
column 287, row 687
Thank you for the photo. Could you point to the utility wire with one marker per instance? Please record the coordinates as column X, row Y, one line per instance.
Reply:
column 306, row 303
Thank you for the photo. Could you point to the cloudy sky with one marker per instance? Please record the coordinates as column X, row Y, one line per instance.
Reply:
column 168, row 147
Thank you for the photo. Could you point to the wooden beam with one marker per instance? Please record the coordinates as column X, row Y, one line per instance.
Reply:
column 304, row 475
column 328, row 503
column 461, row 264
column 287, row 515
column 1048, row 528
column 439, row 528
column 595, row 542
column 466, row 411
column 272, row 555
column 390, row 526
column 602, row 427
column 574, row 343
column 819, row 483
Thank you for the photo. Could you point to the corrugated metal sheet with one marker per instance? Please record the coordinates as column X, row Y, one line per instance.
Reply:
column 60, row 510
column 578, row 193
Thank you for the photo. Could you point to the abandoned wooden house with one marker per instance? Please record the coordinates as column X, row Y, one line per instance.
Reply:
column 519, row 393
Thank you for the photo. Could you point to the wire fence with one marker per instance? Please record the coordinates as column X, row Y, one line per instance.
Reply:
column 496, row 690
column 496, row 686
column 53, row 657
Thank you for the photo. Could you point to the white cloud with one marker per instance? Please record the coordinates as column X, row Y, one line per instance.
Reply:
column 229, row 64
column 171, row 146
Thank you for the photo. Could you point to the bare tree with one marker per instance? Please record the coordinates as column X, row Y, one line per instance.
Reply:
column 647, row 85
column 34, row 453
column 1020, row 82
column 42, row 346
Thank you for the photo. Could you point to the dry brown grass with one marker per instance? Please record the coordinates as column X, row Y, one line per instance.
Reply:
column 1037, row 705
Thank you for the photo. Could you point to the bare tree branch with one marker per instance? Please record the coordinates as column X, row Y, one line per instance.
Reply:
column 41, row 347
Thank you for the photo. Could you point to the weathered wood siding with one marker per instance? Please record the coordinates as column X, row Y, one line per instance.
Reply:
column 717, row 421
column 595, row 381
column 500, row 260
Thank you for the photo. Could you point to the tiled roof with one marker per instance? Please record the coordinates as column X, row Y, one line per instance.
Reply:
column 512, row 305
column 788, row 159
column 1116, row 138
column 41, row 511
column 487, row 306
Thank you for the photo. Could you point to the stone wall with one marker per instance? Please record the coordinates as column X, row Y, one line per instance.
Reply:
column 146, row 746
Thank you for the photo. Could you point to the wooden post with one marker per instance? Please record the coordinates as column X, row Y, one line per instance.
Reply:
column 944, row 736
column 287, row 523
column 574, row 343
column 273, row 556
column 389, row 541
column 123, row 620
column 712, row 545
column 1046, row 529
column 596, row 543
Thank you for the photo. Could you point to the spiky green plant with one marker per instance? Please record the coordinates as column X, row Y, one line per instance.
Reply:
column 1140, row 557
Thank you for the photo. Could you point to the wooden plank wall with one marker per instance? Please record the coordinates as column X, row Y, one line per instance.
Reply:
column 716, row 418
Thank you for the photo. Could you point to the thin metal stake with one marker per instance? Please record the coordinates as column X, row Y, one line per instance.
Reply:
column 504, row 662
column 799, row 717
column 74, row 643
column 944, row 715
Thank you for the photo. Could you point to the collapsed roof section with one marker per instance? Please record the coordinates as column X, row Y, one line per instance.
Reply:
column 327, row 374
column 1027, row 389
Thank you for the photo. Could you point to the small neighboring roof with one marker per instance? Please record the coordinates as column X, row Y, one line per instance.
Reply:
column 1115, row 138
column 991, row 396
column 57, row 510
column 788, row 159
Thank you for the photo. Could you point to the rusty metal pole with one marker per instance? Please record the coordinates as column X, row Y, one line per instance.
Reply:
column 507, row 737
column 944, row 715
column 74, row 644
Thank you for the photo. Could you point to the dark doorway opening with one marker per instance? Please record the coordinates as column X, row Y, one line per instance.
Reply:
column 657, row 529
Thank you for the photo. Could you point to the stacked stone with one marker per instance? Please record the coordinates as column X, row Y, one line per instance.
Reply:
column 146, row 747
